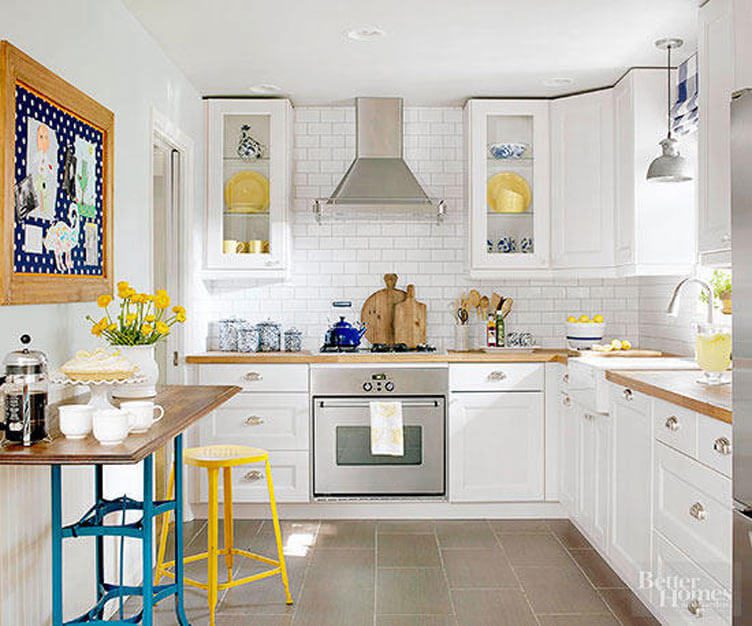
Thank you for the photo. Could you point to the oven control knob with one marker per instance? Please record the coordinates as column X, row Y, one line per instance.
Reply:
column 367, row 386
column 389, row 386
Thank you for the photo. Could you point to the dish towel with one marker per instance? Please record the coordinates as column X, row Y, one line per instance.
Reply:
column 387, row 436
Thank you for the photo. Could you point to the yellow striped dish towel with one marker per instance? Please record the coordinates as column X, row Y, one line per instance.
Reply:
column 387, row 436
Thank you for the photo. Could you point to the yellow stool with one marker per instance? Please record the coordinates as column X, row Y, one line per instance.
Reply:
column 214, row 458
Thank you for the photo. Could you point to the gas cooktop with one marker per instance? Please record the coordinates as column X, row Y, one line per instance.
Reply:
column 380, row 348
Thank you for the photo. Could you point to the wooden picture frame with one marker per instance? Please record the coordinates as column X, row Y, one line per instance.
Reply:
column 56, row 171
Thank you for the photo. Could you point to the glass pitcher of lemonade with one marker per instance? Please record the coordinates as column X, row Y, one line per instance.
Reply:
column 713, row 352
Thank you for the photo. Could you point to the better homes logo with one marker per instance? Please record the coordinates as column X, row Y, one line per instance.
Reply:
column 685, row 592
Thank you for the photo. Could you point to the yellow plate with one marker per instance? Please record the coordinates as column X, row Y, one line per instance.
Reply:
column 247, row 192
column 507, row 192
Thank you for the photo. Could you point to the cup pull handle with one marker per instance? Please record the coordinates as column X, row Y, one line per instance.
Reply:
column 253, row 476
column 254, row 420
column 722, row 445
column 253, row 377
column 497, row 375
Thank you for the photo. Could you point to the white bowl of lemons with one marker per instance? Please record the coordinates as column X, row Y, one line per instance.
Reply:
column 583, row 331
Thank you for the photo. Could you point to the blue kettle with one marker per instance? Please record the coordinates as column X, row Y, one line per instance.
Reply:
column 344, row 335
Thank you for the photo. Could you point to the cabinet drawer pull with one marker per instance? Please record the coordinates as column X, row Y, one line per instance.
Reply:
column 627, row 393
column 253, row 377
column 497, row 375
column 566, row 401
column 726, row 238
column 565, row 379
column 698, row 511
column 254, row 420
column 722, row 445
column 672, row 423
column 253, row 476
column 695, row 608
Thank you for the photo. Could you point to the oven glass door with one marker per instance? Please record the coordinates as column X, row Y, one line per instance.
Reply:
column 344, row 465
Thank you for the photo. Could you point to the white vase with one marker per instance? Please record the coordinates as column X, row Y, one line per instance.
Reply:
column 143, row 358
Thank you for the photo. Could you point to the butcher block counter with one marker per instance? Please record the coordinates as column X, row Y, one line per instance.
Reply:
column 538, row 355
column 678, row 387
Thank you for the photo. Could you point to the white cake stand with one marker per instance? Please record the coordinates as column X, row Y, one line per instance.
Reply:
column 101, row 390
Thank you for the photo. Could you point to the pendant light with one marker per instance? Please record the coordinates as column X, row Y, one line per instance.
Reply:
column 670, row 167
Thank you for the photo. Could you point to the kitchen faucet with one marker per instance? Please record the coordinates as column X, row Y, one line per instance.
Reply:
column 673, row 305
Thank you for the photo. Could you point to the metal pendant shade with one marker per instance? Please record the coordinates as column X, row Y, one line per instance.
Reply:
column 670, row 167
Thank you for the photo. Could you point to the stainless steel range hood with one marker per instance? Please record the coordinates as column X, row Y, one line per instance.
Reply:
column 379, row 180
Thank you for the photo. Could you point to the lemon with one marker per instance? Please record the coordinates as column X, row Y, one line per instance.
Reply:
column 626, row 345
column 598, row 319
column 616, row 344
column 571, row 319
column 584, row 319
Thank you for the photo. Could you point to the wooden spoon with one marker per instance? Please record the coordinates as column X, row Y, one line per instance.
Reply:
column 473, row 298
column 495, row 302
column 484, row 302
column 506, row 307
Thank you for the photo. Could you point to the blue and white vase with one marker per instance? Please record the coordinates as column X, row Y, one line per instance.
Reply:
column 506, row 245
column 526, row 245
column 248, row 147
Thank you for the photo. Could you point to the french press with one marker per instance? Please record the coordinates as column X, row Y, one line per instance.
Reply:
column 24, row 393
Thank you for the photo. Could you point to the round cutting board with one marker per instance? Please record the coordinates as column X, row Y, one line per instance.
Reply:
column 378, row 311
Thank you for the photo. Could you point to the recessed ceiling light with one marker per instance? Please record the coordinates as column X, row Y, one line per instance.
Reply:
column 265, row 88
column 366, row 33
column 558, row 82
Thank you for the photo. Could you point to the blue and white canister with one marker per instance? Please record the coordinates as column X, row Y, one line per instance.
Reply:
column 293, row 340
column 228, row 334
column 506, row 245
column 526, row 245
column 270, row 336
column 248, row 338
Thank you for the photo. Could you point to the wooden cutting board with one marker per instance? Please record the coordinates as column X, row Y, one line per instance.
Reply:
column 378, row 311
column 410, row 320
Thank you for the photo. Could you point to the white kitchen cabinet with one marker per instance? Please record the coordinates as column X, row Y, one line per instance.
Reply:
column 742, row 11
column 655, row 223
column 582, row 181
column 630, row 520
column 517, row 238
column 715, row 54
column 496, row 446
column 248, row 199
column 569, row 455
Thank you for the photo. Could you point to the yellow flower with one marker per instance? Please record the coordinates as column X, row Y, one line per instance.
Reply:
column 112, row 327
column 104, row 300
column 103, row 322
column 178, row 309
column 123, row 288
column 130, row 318
column 180, row 317
column 146, row 329
column 150, row 298
column 129, row 293
column 162, row 328
column 150, row 318
column 96, row 330
column 161, row 299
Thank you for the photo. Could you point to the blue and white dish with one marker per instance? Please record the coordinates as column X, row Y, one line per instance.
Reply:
column 506, row 245
column 489, row 245
column 526, row 245
column 507, row 150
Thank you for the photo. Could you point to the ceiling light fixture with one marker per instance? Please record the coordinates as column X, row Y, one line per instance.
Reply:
column 670, row 167
column 560, row 81
column 366, row 33
column 265, row 88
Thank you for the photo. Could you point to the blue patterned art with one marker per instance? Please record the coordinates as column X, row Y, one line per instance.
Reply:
column 58, row 190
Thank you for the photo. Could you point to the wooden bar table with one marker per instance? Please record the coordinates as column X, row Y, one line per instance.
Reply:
column 183, row 406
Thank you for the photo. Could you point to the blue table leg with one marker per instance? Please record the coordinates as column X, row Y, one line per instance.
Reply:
column 57, row 546
column 147, row 528
column 98, row 496
column 179, row 596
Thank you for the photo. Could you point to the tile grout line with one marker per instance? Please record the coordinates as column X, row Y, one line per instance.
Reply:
column 304, row 578
column 446, row 575
column 375, row 567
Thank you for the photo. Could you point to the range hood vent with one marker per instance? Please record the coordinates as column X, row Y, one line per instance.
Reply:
column 378, row 180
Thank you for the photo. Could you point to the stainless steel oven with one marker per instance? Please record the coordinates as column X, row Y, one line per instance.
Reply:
column 343, row 465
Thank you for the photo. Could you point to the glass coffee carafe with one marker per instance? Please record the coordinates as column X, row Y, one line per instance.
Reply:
column 24, row 394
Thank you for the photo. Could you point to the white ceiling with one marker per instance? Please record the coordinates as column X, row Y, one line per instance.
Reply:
column 435, row 51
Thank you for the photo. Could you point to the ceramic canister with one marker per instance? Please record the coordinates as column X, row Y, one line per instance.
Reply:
column 228, row 334
column 270, row 336
column 248, row 338
column 293, row 340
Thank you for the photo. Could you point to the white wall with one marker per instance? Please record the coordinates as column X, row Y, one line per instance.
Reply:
column 99, row 47
column 346, row 259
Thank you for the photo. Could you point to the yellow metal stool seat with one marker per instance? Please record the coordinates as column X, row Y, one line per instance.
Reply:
column 213, row 459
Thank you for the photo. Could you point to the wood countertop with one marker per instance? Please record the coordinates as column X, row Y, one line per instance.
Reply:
column 183, row 405
column 539, row 355
column 679, row 387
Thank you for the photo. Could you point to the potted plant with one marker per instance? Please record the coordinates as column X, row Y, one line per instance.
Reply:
column 139, row 321
column 721, row 285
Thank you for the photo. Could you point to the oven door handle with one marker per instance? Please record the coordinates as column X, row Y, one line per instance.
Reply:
column 350, row 404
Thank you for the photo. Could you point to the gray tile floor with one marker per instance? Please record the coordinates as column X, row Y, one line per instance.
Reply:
column 419, row 573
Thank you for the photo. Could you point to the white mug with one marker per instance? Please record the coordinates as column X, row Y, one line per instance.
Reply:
column 111, row 426
column 76, row 420
column 142, row 414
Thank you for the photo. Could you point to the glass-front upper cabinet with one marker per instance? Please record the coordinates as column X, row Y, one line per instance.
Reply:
column 509, row 185
column 249, row 154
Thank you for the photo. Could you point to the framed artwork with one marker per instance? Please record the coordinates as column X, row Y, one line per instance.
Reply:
column 56, row 170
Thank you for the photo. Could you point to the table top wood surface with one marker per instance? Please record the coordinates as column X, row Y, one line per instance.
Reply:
column 183, row 405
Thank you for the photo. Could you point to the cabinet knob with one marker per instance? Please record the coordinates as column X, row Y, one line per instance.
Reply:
column 497, row 375
column 627, row 393
column 254, row 420
column 272, row 263
column 253, row 377
column 566, row 401
column 565, row 379
column 726, row 238
column 698, row 511
column 672, row 423
column 722, row 445
column 253, row 476
column 695, row 608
